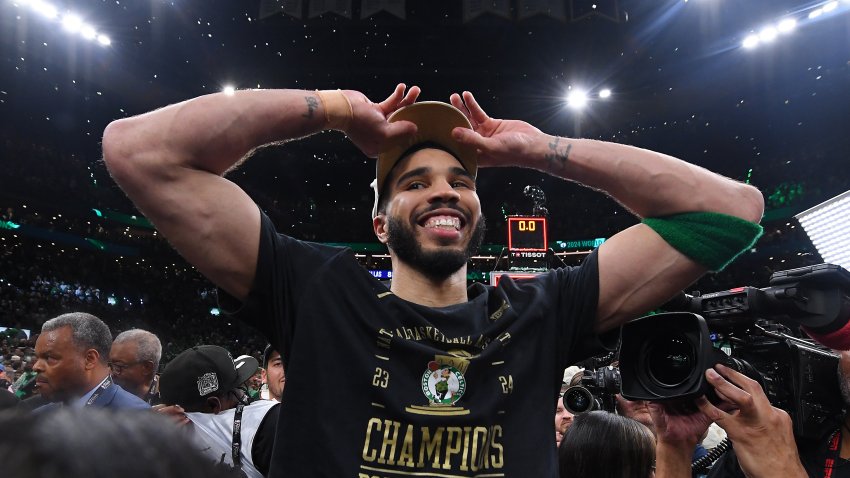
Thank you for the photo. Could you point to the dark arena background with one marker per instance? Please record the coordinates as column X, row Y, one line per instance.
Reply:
column 733, row 86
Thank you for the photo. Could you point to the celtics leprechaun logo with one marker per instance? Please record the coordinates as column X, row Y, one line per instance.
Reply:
column 443, row 384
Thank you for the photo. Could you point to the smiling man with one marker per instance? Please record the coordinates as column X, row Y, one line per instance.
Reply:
column 71, row 363
column 426, row 377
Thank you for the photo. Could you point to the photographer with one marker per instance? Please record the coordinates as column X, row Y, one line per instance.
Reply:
column 823, row 457
column 761, row 434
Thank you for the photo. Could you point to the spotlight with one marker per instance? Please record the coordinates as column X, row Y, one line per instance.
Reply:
column 830, row 6
column 104, row 40
column 751, row 41
column 815, row 13
column 768, row 34
column 605, row 93
column 45, row 9
column 72, row 23
column 827, row 226
column 787, row 25
column 577, row 99
column 88, row 32
column 229, row 90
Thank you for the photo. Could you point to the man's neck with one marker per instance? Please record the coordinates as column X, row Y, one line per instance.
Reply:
column 93, row 379
column 414, row 286
column 142, row 389
column 97, row 375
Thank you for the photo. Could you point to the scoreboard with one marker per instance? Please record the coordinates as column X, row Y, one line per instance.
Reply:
column 527, row 234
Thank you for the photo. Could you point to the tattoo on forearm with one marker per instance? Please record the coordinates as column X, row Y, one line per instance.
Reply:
column 312, row 105
column 558, row 155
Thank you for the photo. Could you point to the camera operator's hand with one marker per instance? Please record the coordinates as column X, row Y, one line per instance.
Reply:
column 677, row 437
column 761, row 434
column 685, row 430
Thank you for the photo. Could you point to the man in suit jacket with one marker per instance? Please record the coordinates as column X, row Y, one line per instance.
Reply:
column 71, row 362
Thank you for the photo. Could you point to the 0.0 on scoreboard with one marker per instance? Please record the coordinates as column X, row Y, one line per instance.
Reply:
column 527, row 234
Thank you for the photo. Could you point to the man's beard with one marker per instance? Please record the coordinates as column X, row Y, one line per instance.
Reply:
column 437, row 265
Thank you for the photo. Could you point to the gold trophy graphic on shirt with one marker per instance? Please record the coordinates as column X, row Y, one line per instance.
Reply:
column 443, row 384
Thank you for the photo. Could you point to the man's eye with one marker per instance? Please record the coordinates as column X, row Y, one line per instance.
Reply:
column 416, row 185
column 460, row 184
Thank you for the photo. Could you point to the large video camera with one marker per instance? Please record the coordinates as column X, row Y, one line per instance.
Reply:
column 664, row 356
column 595, row 392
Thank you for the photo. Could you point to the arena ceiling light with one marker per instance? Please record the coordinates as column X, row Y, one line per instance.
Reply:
column 229, row 90
column 605, row 93
column 577, row 99
column 88, row 32
column 828, row 227
column 768, row 34
column 787, row 26
column 70, row 22
column 751, row 41
column 45, row 9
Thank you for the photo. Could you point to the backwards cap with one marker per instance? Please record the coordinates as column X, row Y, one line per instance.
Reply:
column 435, row 121
column 200, row 372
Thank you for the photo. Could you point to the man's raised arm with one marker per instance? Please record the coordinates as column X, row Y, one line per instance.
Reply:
column 643, row 266
column 170, row 163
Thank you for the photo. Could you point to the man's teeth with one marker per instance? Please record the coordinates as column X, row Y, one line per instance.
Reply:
column 443, row 221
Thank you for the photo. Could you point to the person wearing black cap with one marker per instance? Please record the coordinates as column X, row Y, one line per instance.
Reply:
column 434, row 378
column 203, row 382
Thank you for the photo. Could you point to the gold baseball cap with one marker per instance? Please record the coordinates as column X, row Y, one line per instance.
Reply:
column 435, row 121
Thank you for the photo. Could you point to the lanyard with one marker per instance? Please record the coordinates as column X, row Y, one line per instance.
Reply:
column 153, row 391
column 237, row 436
column 832, row 453
column 107, row 382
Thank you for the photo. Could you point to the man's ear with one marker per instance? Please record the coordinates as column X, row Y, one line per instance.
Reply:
column 214, row 404
column 148, row 365
column 91, row 358
column 379, row 225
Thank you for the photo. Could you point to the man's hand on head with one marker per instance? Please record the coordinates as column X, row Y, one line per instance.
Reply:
column 761, row 434
column 499, row 142
column 368, row 128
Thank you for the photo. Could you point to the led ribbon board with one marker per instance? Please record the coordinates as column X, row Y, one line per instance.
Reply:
column 828, row 226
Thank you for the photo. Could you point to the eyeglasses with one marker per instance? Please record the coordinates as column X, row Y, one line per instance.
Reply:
column 120, row 367
column 241, row 396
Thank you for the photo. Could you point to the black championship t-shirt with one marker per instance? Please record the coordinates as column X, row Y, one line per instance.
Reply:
column 380, row 387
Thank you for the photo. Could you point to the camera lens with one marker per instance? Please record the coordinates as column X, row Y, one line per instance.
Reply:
column 670, row 359
column 578, row 399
